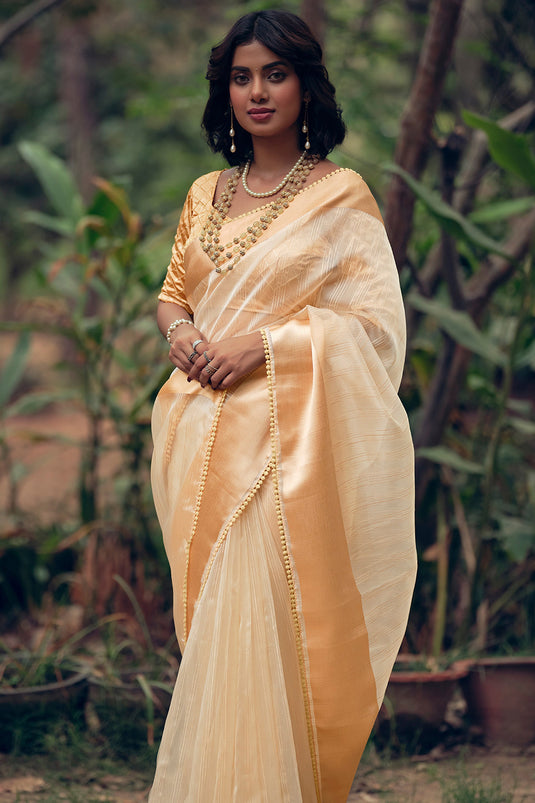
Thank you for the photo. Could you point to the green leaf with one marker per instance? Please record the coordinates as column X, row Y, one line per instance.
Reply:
column 518, row 536
column 14, row 368
column 521, row 425
column 447, row 457
column 35, row 402
column 509, row 150
column 451, row 221
column 459, row 326
column 526, row 358
column 56, row 181
column 58, row 224
column 503, row 210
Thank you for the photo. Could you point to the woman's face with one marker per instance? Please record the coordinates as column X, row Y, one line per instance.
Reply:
column 265, row 92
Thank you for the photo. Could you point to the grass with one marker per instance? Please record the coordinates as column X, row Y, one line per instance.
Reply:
column 79, row 764
column 470, row 790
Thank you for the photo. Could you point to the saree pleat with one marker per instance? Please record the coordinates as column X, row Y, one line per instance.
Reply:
column 286, row 505
column 236, row 729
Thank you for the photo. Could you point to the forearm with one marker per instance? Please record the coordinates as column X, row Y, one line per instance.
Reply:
column 167, row 313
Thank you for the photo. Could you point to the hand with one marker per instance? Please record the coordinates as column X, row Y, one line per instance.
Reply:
column 182, row 350
column 228, row 360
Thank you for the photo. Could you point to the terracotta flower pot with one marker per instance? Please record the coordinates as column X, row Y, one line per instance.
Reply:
column 422, row 694
column 415, row 704
column 500, row 696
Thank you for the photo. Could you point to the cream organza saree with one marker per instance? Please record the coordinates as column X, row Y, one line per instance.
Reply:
column 286, row 505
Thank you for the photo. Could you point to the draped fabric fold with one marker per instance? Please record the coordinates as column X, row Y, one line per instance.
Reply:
column 286, row 505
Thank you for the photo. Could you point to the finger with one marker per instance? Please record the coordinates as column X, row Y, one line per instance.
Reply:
column 199, row 345
column 227, row 380
column 200, row 363
column 217, row 379
column 207, row 373
column 178, row 359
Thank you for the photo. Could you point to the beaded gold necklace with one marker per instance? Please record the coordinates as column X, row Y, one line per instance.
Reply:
column 233, row 251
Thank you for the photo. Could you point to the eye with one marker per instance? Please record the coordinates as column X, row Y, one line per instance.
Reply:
column 277, row 75
column 240, row 78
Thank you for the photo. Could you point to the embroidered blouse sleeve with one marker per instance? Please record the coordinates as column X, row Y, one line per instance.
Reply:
column 173, row 286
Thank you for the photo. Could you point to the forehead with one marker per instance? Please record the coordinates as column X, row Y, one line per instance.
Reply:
column 255, row 55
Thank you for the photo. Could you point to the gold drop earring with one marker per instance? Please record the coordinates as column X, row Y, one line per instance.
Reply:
column 304, row 129
column 232, row 133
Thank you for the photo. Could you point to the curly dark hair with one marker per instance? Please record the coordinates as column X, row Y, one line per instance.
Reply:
column 290, row 38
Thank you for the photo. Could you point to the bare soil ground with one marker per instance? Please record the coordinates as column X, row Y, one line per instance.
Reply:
column 416, row 780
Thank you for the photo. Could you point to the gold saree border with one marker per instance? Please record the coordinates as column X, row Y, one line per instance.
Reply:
column 233, row 519
column 289, row 571
column 198, row 502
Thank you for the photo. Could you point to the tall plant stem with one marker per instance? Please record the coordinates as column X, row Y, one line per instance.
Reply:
column 442, row 575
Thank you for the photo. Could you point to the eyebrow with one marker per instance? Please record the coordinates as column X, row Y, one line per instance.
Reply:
column 265, row 67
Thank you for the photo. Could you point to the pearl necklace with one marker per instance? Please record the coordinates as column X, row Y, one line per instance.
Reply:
column 233, row 251
column 279, row 187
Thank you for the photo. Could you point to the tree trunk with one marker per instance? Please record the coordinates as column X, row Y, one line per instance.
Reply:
column 416, row 124
column 313, row 12
column 75, row 96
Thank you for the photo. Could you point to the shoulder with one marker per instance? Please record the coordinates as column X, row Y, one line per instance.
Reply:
column 200, row 196
column 348, row 189
column 204, row 187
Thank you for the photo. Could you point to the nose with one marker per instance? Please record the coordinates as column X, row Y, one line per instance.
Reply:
column 259, row 91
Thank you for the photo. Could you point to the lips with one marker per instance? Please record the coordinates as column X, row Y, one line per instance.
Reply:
column 260, row 114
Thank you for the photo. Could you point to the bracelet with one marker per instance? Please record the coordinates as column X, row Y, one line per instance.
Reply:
column 174, row 326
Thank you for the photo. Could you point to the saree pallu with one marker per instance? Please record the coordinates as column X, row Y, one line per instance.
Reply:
column 286, row 505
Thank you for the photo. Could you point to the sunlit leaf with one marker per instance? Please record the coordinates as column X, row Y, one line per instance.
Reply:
column 447, row 457
column 509, row 150
column 459, row 326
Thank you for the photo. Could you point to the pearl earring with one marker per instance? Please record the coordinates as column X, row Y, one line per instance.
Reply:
column 232, row 133
column 304, row 129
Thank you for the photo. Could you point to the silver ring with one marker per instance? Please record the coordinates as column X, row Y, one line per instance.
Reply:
column 192, row 356
column 210, row 369
column 195, row 344
column 206, row 357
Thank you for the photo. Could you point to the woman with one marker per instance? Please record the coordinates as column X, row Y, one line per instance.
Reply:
column 282, row 468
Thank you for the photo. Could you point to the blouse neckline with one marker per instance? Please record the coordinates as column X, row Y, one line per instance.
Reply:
column 257, row 209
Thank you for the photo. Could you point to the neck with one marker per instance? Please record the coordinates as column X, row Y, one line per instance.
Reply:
column 272, row 158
